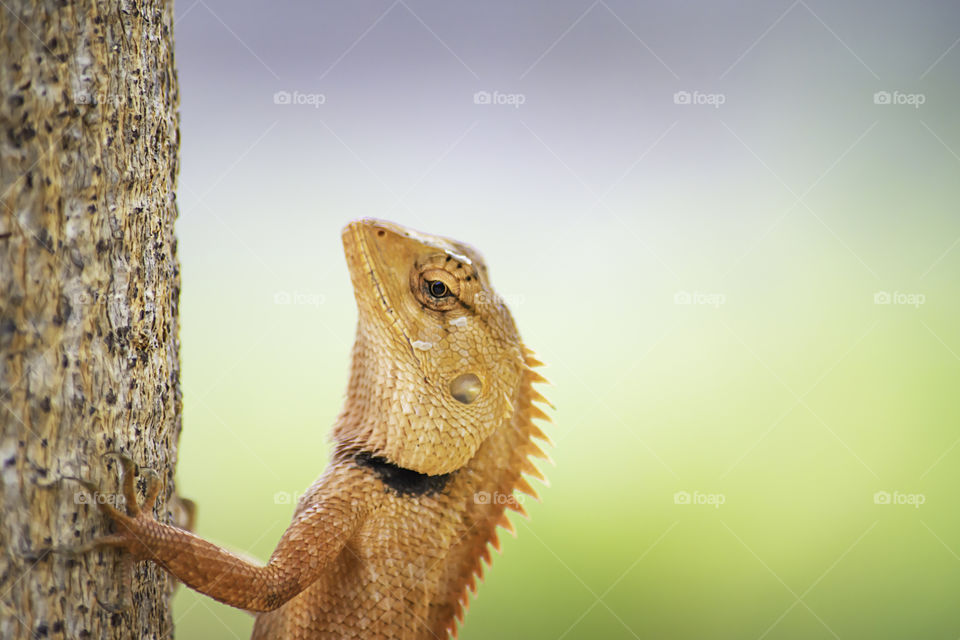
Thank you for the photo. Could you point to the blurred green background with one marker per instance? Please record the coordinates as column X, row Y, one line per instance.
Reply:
column 747, row 293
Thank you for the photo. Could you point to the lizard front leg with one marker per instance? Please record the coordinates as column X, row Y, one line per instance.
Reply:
column 317, row 534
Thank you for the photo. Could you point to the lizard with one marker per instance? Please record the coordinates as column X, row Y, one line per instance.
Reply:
column 436, row 434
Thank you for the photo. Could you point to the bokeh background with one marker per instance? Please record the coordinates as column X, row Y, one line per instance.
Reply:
column 731, row 229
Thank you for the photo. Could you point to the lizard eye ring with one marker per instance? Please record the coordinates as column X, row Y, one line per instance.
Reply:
column 436, row 289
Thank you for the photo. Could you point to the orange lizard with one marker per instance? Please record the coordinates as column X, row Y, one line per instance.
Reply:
column 435, row 435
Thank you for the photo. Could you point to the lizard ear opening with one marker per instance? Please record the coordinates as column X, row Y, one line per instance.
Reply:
column 466, row 387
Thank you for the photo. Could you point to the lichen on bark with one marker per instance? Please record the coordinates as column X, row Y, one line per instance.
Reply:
column 89, row 287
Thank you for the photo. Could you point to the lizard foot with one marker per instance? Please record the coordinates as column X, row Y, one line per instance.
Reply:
column 134, row 522
column 131, row 525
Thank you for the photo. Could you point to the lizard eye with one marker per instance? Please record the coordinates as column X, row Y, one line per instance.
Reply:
column 437, row 289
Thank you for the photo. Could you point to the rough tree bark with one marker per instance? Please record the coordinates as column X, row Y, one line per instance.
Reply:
column 89, row 284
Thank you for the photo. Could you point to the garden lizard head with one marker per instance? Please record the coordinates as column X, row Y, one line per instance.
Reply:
column 437, row 361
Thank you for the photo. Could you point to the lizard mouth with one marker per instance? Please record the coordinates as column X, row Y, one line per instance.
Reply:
column 368, row 268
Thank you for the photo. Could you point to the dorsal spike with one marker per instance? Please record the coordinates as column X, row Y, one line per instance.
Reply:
column 538, row 413
column 504, row 522
column 523, row 486
column 535, row 376
column 531, row 470
column 530, row 358
column 536, row 396
column 537, row 452
column 517, row 506
column 535, row 432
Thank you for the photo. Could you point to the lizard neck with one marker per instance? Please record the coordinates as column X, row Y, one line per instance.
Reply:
column 406, row 415
column 480, row 493
column 403, row 481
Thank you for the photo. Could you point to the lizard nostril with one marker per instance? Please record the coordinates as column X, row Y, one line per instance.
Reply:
column 466, row 387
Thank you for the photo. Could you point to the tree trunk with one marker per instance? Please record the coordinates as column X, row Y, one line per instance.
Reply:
column 89, row 284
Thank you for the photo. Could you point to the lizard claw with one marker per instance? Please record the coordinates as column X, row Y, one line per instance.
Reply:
column 153, row 489
column 124, row 606
column 128, row 472
column 133, row 520
column 129, row 524
column 125, row 602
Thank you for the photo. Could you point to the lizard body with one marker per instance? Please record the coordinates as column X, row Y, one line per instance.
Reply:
column 435, row 437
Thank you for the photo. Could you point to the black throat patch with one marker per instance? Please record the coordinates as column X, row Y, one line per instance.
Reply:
column 405, row 482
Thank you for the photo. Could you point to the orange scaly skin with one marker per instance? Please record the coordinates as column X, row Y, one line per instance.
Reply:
column 388, row 540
